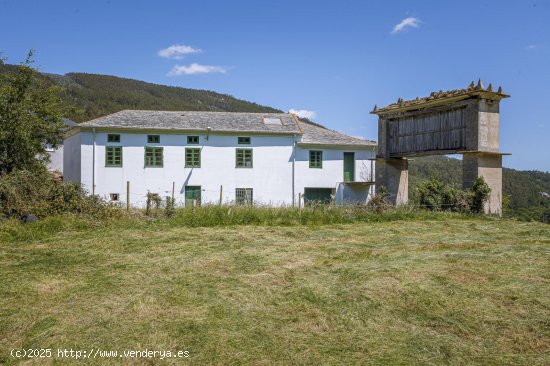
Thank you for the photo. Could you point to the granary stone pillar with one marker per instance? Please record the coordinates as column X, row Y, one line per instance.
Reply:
column 488, row 166
column 394, row 175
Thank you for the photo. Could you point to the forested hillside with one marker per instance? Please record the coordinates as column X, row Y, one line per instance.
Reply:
column 89, row 96
column 522, row 189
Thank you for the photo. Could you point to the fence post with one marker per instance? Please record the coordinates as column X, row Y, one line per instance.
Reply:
column 128, row 195
column 173, row 190
column 221, row 194
column 299, row 200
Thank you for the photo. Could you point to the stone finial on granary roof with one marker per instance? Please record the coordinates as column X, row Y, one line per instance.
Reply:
column 443, row 97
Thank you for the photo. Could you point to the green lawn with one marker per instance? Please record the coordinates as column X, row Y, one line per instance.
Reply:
column 453, row 291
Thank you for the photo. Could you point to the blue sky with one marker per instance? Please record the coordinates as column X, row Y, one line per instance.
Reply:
column 335, row 59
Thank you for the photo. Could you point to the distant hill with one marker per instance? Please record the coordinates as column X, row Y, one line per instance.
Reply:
column 521, row 188
column 89, row 96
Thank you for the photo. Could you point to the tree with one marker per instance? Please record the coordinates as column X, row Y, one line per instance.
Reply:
column 30, row 119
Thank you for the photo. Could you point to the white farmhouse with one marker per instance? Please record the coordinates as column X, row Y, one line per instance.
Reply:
column 213, row 157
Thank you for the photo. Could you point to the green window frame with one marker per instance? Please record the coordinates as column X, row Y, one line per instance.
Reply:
column 192, row 140
column 243, row 140
column 193, row 157
column 113, row 137
column 153, row 139
column 153, row 157
column 244, row 196
column 244, row 158
column 315, row 159
column 113, row 156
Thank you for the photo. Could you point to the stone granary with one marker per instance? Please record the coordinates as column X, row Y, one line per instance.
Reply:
column 462, row 121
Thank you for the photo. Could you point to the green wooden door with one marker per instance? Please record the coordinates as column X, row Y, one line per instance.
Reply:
column 192, row 196
column 349, row 167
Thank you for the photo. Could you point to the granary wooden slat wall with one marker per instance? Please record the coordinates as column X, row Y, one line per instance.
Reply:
column 436, row 131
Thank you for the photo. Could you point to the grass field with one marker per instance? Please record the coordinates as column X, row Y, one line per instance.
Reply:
column 468, row 291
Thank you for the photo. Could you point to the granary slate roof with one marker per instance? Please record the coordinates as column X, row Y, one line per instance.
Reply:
column 227, row 122
column 315, row 135
column 196, row 121
column 442, row 96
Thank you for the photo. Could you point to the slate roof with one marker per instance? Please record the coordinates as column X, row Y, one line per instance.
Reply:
column 228, row 122
column 196, row 121
column 69, row 124
column 442, row 96
column 315, row 135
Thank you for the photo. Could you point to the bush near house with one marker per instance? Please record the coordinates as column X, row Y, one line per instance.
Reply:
column 40, row 193
column 438, row 196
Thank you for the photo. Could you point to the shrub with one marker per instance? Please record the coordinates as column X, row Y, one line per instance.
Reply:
column 481, row 192
column 431, row 193
column 153, row 200
column 170, row 207
column 38, row 192
column 379, row 203
column 456, row 200
column 435, row 195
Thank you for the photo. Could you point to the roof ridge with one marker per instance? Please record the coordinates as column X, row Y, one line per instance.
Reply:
column 183, row 111
column 337, row 132
column 197, row 120
column 110, row 114
column 320, row 135
column 297, row 121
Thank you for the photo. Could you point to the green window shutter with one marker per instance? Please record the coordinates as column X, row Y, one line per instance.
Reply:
column 113, row 156
column 154, row 157
column 192, row 140
column 153, row 139
column 244, row 158
column 193, row 158
column 111, row 137
column 243, row 140
column 315, row 159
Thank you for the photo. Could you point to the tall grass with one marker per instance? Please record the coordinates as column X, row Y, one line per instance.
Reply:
column 209, row 216
column 216, row 216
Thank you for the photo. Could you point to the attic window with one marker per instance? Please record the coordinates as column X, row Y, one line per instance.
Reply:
column 153, row 139
column 113, row 137
column 243, row 140
column 272, row 121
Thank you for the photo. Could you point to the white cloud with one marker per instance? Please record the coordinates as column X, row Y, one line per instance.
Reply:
column 406, row 23
column 531, row 47
column 178, row 51
column 302, row 113
column 196, row 69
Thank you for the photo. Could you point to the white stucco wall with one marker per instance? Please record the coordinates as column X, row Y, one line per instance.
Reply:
column 270, row 177
column 71, row 158
column 56, row 160
column 332, row 173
